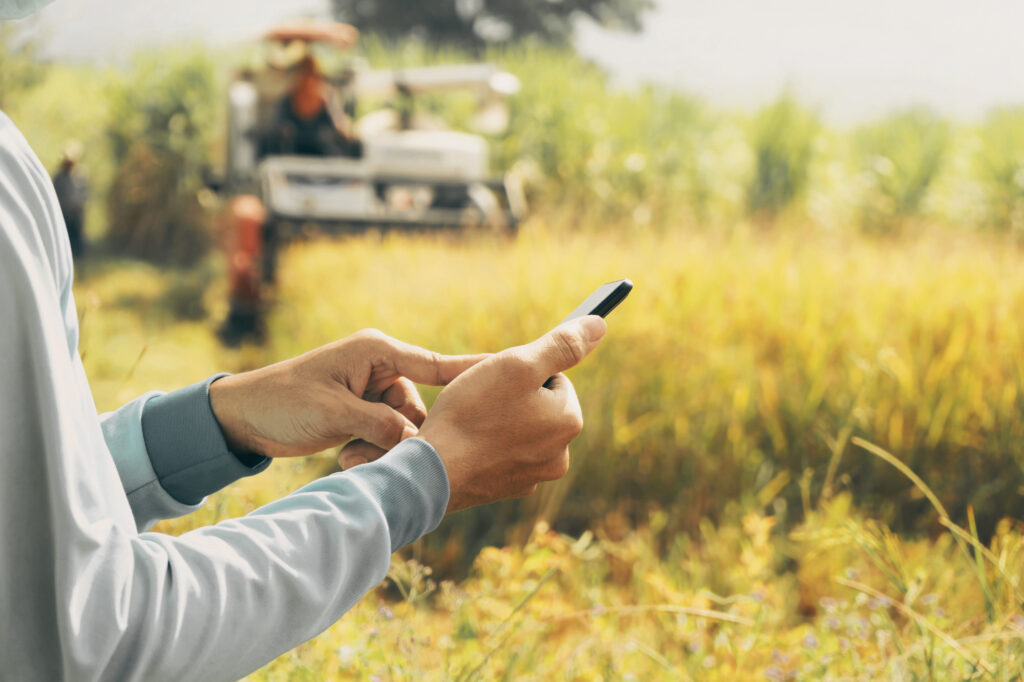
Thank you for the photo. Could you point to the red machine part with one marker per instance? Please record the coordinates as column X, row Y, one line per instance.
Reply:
column 243, row 221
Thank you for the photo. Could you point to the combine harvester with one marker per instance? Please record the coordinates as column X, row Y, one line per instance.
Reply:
column 301, row 160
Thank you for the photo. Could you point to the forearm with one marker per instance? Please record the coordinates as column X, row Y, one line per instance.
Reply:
column 221, row 601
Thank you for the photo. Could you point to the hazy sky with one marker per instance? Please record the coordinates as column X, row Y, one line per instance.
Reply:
column 852, row 59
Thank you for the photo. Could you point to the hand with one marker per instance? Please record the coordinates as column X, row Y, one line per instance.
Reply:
column 497, row 429
column 360, row 386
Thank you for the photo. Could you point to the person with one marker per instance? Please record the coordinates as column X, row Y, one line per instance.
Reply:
column 87, row 593
column 304, row 123
column 72, row 193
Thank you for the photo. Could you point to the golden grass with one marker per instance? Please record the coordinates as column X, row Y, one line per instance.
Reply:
column 720, row 525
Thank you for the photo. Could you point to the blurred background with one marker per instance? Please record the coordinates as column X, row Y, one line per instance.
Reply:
column 804, row 442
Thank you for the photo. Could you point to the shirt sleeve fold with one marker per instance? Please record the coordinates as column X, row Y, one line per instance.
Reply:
column 149, row 501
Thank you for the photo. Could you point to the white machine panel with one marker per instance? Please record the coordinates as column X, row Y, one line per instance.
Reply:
column 434, row 155
column 318, row 188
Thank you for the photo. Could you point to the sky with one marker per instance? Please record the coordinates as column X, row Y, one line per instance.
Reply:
column 852, row 60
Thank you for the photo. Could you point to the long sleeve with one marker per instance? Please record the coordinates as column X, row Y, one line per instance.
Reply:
column 170, row 452
column 84, row 595
column 149, row 501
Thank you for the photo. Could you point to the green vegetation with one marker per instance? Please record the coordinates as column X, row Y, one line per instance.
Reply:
column 20, row 71
column 1001, row 168
column 802, row 440
column 861, row 603
column 900, row 156
column 719, row 469
column 652, row 158
column 161, row 120
column 477, row 24
column 782, row 138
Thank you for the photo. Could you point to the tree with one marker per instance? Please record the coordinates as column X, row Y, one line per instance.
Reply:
column 476, row 23
column 161, row 117
column 20, row 68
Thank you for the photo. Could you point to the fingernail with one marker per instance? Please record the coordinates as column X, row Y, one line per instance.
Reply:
column 409, row 431
column 594, row 327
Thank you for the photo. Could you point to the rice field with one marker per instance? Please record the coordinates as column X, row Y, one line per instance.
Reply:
column 804, row 440
column 744, row 502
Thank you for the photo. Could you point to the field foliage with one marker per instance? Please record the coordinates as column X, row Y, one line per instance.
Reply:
column 591, row 154
column 804, row 442
column 719, row 468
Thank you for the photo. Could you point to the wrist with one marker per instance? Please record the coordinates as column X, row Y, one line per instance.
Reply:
column 454, row 469
column 187, row 449
column 226, row 403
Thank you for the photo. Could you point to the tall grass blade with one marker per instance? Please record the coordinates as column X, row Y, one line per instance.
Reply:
column 977, row 664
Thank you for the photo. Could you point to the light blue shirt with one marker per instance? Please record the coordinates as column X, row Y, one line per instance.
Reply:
column 84, row 595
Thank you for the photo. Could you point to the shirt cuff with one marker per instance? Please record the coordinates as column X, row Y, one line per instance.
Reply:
column 186, row 446
column 122, row 430
column 411, row 485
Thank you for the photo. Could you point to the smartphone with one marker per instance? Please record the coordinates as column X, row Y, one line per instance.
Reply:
column 601, row 302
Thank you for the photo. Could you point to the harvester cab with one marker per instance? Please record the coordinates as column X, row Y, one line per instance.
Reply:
column 304, row 159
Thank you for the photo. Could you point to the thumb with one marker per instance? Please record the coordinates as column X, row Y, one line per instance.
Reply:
column 357, row 452
column 563, row 347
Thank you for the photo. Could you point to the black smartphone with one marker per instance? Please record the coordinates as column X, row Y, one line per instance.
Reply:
column 604, row 300
column 601, row 302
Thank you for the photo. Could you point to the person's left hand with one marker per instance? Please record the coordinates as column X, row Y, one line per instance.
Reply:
column 359, row 387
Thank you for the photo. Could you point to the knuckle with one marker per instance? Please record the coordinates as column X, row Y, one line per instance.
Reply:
column 390, row 430
column 557, row 467
column 370, row 335
column 525, row 491
column 436, row 363
column 569, row 347
column 574, row 424
column 418, row 414
column 567, row 425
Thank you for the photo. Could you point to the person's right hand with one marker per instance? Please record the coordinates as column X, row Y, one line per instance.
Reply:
column 498, row 430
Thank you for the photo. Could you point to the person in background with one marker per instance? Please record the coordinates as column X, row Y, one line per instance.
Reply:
column 305, row 123
column 72, row 194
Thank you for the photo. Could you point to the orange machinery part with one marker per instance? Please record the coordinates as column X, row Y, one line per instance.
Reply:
column 243, row 221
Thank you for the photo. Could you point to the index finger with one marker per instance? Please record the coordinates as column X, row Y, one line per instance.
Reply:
column 434, row 369
column 428, row 367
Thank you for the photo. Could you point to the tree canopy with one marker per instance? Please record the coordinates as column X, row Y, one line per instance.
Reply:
column 476, row 23
column 20, row 67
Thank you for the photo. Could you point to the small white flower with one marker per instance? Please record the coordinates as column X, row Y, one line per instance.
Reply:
column 346, row 654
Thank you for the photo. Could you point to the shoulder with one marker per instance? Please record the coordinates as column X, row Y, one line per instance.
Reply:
column 34, row 247
column 29, row 211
